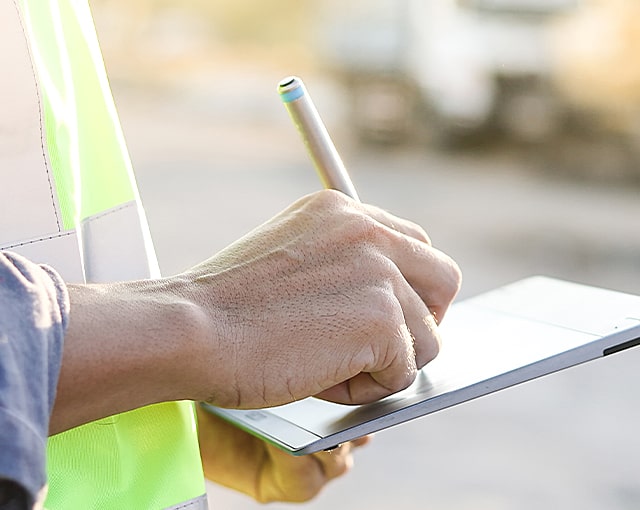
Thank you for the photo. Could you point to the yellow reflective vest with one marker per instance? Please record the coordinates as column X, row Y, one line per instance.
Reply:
column 68, row 198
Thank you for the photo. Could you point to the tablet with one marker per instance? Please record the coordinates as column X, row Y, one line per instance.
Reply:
column 492, row 341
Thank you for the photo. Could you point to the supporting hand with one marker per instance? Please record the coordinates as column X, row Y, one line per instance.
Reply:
column 239, row 461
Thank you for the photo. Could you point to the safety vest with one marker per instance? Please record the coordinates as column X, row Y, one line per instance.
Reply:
column 68, row 198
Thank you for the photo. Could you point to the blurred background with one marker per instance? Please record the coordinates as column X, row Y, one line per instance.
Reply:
column 509, row 129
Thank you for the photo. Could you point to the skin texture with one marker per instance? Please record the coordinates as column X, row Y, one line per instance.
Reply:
column 330, row 298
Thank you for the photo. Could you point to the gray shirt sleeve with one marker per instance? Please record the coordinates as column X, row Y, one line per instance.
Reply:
column 34, row 307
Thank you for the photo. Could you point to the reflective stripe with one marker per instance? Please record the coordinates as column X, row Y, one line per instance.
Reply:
column 199, row 503
column 57, row 250
column 106, row 257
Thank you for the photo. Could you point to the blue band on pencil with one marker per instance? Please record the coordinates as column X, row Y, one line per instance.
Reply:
column 292, row 95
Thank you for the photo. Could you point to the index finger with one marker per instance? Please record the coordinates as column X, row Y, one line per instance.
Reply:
column 432, row 274
column 398, row 224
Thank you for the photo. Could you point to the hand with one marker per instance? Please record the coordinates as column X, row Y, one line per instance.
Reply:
column 237, row 460
column 330, row 298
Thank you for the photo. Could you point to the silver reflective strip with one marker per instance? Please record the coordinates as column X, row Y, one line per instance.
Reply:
column 28, row 207
column 117, row 246
column 199, row 503
column 60, row 251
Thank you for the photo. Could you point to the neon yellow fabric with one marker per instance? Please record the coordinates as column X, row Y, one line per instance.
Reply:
column 138, row 460
column 148, row 458
column 81, row 122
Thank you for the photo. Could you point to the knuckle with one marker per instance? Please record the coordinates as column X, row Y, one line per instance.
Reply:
column 329, row 198
column 364, row 230
column 361, row 228
column 384, row 311
column 449, row 278
column 401, row 354
column 427, row 341
column 429, row 352
column 403, row 380
column 455, row 278
column 420, row 234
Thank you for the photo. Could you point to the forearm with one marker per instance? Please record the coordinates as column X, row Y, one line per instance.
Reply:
column 127, row 345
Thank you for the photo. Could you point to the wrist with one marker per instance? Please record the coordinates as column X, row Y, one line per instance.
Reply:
column 189, row 331
column 208, row 360
column 127, row 345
